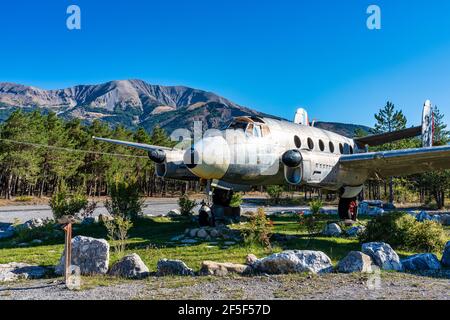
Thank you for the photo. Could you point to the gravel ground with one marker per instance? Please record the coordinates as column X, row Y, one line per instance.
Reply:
column 297, row 287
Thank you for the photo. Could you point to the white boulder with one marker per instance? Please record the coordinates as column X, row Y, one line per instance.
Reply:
column 130, row 266
column 89, row 254
column 383, row 255
column 446, row 255
column 421, row 262
column 173, row 267
column 18, row 271
column 294, row 261
column 355, row 261
column 332, row 230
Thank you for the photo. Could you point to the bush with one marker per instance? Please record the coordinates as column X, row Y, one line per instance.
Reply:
column 125, row 200
column 275, row 193
column 64, row 203
column 46, row 232
column 428, row 236
column 401, row 230
column 186, row 205
column 118, row 233
column 258, row 230
column 236, row 200
column 315, row 206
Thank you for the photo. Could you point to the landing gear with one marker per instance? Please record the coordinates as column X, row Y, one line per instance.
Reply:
column 348, row 209
column 220, row 211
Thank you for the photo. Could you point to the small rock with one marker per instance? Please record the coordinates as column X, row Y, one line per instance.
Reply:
column 89, row 254
column 23, row 244
column 222, row 269
column 173, row 267
column 90, row 220
column 355, row 261
column 193, row 233
column 130, row 266
column 202, row 234
column 332, row 230
column 214, row 233
column 36, row 241
column 445, row 219
column 229, row 243
column 17, row 271
column 383, row 255
column 422, row 216
column 376, row 211
column 446, row 255
column 250, row 259
column 421, row 262
column 355, row 231
column 174, row 213
column 294, row 261
column 31, row 224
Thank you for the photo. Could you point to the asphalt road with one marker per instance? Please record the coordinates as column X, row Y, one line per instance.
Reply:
column 153, row 207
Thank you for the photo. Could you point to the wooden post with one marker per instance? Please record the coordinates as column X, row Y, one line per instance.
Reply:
column 68, row 250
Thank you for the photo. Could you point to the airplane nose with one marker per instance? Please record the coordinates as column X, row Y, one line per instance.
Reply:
column 209, row 158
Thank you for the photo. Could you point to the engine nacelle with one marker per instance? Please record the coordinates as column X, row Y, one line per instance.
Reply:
column 304, row 166
column 173, row 170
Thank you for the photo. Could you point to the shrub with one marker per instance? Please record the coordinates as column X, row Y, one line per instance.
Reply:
column 236, row 200
column 118, row 232
column 45, row 232
column 315, row 206
column 275, row 193
column 428, row 236
column 401, row 230
column 258, row 230
column 64, row 203
column 186, row 205
column 125, row 200
column 311, row 223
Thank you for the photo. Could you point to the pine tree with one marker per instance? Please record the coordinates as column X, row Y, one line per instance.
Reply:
column 388, row 120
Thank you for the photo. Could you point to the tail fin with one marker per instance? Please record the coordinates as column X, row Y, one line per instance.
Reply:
column 427, row 125
column 301, row 117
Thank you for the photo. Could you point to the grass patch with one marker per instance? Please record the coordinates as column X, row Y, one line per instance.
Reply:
column 150, row 238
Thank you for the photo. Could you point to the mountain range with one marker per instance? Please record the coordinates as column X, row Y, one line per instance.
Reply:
column 134, row 103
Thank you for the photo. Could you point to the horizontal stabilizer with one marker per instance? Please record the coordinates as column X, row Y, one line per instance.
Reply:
column 383, row 138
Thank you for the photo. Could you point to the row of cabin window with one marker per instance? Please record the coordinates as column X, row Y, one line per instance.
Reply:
column 298, row 144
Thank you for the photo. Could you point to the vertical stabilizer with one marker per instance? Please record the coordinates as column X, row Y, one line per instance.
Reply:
column 301, row 117
column 427, row 125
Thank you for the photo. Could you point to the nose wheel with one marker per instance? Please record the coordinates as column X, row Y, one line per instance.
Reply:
column 348, row 209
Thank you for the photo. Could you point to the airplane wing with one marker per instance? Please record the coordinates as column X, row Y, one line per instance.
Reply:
column 142, row 146
column 398, row 162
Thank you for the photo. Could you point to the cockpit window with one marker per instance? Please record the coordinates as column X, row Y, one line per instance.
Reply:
column 251, row 129
column 257, row 131
column 238, row 125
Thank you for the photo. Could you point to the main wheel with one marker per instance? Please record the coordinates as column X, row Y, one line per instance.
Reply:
column 348, row 209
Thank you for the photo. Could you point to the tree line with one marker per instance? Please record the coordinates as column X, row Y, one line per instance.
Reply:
column 55, row 151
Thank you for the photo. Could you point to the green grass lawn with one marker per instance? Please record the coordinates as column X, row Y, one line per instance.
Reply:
column 150, row 238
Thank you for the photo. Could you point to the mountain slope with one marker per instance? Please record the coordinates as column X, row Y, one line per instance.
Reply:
column 133, row 103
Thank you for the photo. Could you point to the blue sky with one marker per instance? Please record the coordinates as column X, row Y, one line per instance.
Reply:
column 273, row 56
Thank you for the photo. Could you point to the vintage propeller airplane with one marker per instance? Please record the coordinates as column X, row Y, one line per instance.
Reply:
column 254, row 151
